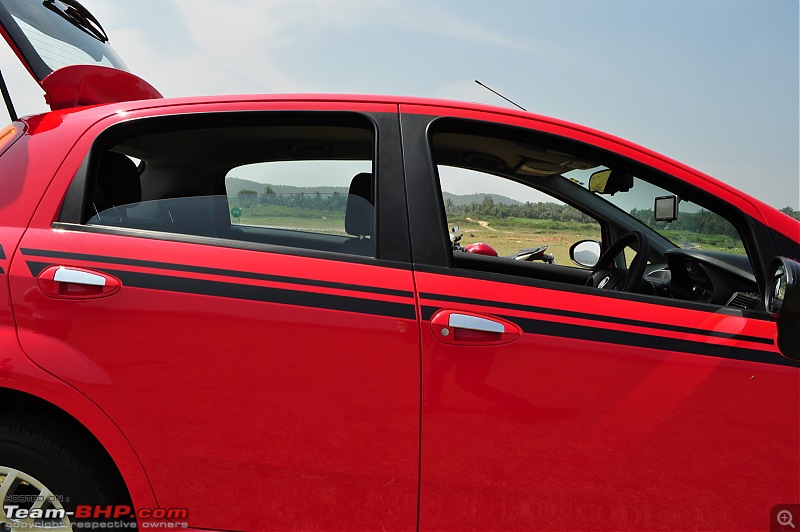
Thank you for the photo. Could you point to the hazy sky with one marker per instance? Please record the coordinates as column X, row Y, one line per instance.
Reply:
column 712, row 83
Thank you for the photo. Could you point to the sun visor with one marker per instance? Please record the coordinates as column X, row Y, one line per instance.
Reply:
column 67, row 52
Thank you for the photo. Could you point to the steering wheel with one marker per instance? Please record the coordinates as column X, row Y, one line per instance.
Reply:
column 606, row 277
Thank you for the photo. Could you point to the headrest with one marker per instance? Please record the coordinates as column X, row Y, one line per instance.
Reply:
column 118, row 181
column 360, row 212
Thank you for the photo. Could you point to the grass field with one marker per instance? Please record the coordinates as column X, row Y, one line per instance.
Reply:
column 506, row 235
column 509, row 235
column 328, row 224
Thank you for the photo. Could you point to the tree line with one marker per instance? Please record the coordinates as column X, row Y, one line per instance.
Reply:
column 704, row 222
column 535, row 211
column 317, row 201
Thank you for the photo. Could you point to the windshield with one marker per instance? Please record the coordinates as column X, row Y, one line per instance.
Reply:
column 694, row 228
column 55, row 33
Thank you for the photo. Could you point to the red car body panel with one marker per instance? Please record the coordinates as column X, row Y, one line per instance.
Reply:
column 571, row 434
column 604, row 410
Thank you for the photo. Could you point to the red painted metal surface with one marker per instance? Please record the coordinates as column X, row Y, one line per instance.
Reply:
column 82, row 85
column 211, row 403
column 558, row 433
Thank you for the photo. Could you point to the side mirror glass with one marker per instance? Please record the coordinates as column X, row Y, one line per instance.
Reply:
column 585, row 253
column 782, row 301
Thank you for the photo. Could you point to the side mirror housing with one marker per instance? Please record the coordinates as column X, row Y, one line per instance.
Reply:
column 782, row 301
column 585, row 253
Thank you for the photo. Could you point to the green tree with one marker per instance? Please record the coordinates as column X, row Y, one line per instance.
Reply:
column 247, row 197
column 791, row 212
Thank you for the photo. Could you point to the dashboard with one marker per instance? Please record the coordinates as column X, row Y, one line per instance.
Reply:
column 706, row 277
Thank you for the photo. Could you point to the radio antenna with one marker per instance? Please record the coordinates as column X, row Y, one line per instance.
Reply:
column 7, row 98
column 497, row 93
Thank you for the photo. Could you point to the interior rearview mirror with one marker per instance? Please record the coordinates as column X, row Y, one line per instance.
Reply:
column 610, row 182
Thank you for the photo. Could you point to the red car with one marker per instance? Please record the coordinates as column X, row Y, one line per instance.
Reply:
column 246, row 313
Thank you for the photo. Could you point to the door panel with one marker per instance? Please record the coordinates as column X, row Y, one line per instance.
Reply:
column 241, row 376
column 605, row 413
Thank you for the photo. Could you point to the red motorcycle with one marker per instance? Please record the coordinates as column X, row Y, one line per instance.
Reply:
column 482, row 248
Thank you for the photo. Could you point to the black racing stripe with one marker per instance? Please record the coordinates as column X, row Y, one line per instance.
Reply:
column 266, row 294
column 2, row 253
column 214, row 271
column 255, row 293
column 36, row 267
column 606, row 336
column 2, row 271
column 579, row 289
column 594, row 317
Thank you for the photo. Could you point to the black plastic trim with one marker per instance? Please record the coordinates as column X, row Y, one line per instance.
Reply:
column 426, row 219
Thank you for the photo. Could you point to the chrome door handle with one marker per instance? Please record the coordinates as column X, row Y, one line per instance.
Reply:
column 462, row 327
column 474, row 323
column 63, row 282
column 68, row 275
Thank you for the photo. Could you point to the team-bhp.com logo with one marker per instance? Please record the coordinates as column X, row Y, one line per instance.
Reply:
column 95, row 517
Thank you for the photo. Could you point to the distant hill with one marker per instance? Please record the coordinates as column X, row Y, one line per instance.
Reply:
column 459, row 200
column 235, row 184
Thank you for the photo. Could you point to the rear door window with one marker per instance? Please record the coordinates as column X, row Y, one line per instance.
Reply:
column 294, row 183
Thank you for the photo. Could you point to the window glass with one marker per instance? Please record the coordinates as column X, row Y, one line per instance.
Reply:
column 511, row 217
column 301, row 186
column 511, row 192
column 299, row 195
column 694, row 228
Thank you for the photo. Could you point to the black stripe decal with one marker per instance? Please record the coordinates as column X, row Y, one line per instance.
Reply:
column 594, row 334
column 214, row 271
column 578, row 289
column 2, row 271
column 2, row 253
column 594, row 317
column 255, row 293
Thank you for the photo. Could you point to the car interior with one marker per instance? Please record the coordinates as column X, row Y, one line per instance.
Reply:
column 665, row 265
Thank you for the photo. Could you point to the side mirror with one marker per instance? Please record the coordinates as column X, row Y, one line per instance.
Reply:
column 585, row 253
column 610, row 182
column 782, row 301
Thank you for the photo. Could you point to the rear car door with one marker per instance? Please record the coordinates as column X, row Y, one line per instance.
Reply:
column 548, row 404
column 233, row 289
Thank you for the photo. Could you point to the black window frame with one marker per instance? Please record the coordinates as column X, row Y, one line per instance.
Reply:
column 433, row 253
column 392, row 245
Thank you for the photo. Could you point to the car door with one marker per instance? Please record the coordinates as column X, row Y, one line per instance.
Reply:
column 551, row 405
column 247, row 320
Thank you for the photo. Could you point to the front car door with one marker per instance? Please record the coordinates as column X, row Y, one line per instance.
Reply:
column 223, row 285
column 548, row 404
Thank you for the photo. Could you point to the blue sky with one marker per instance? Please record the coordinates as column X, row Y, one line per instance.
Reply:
column 712, row 83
